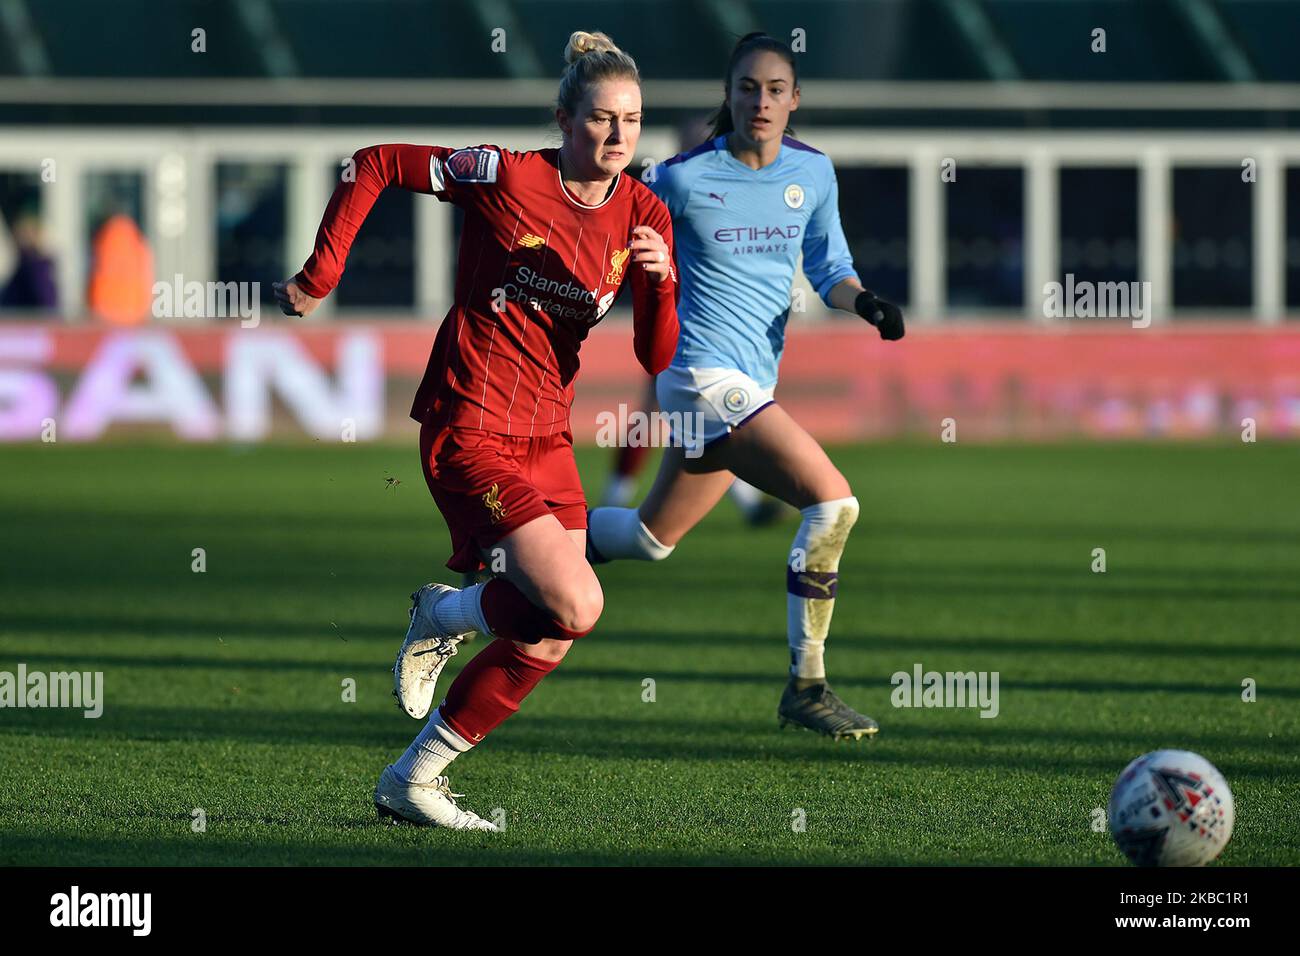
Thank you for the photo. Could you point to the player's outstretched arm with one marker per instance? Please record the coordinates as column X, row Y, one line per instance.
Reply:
column 373, row 169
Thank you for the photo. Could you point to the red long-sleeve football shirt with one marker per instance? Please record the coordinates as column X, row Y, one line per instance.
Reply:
column 536, row 269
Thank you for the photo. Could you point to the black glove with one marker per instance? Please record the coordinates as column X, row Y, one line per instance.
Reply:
column 885, row 316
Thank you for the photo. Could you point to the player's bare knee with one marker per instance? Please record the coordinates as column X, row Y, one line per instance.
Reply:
column 579, row 606
column 589, row 606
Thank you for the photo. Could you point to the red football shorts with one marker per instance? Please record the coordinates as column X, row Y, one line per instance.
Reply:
column 486, row 485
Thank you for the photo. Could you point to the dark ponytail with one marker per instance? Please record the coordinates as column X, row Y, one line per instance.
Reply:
column 746, row 45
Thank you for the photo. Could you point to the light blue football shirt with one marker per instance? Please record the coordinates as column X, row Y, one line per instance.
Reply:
column 738, row 234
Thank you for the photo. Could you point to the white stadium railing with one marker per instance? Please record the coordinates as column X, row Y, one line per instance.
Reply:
column 177, row 169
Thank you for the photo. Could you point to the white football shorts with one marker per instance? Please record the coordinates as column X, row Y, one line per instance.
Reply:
column 705, row 404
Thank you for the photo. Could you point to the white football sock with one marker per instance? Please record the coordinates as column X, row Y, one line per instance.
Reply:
column 619, row 533
column 462, row 611
column 429, row 754
column 812, row 574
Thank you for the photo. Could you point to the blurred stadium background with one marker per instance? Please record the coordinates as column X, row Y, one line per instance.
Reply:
column 198, row 141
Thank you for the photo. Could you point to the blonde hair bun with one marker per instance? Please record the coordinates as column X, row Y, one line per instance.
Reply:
column 581, row 43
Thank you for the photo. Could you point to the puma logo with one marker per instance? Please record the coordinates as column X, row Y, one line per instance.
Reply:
column 824, row 588
column 492, row 499
column 722, row 199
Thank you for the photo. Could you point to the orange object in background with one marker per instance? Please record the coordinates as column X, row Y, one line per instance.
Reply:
column 121, row 273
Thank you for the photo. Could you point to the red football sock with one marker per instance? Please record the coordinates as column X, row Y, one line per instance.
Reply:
column 511, row 615
column 490, row 689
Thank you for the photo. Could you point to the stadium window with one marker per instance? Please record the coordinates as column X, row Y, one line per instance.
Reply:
column 111, row 192
column 1098, row 224
column 1293, row 237
column 19, row 192
column 27, row 263
column 251, row 223
column 986, row 227
column 1212, row 253
column 380, row 271
column 874, row 211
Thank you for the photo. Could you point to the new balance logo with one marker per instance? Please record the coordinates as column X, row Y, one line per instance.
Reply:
column 529, row 241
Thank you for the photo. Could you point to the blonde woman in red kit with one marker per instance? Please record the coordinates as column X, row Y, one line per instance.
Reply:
column 550, row 239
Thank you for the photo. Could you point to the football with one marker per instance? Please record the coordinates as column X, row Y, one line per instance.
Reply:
column 1171, row 808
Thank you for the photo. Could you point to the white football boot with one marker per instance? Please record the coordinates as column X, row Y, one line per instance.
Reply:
column 424, row 653
column 424, row 804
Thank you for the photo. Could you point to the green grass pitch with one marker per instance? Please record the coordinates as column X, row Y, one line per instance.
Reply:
column 224, row 689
